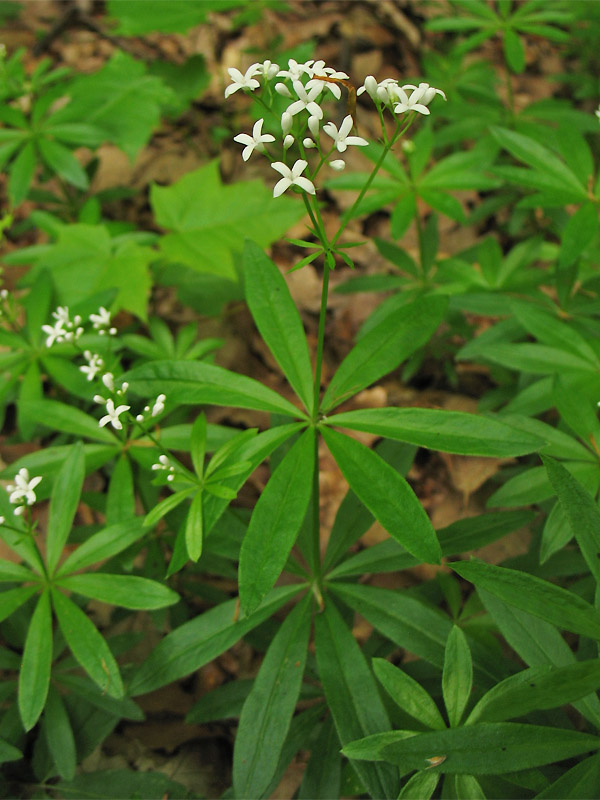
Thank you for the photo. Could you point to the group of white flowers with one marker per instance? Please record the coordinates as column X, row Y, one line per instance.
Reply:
column 307, row 86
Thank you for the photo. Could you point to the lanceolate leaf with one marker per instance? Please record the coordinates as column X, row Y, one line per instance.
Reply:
column 536, row 688
column 275, row 522
column 194, row 382
column 489, row 748
column 581, row 512
column 13, row 599
column 448, row 431
column 278, row 320
column 386, row 494
column 457, row 677
column 34, row 676
column 352, row 695
column 408, row 694
column 87, row 645
column 103, row 545
column 579, row 783
column 534, row 595
column 63, row 505
column 59, row 735
column 384, row 348
column 268, row 711
column 128, row 591
column 202, row 639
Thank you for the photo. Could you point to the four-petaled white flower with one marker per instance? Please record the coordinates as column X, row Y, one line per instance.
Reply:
column 342, row 138
column 418, row 100
column 94, row 365
column 113, row 415
column 62, row 315
column 256, row 141
column 295, row 71
column 54, row 333
column 242, row 80
column 101, row 319
column 292, row 177
column 306, row 101
column 23, row 488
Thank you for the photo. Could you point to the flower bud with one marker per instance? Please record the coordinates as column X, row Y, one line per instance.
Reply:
column 337, row 164
column 288, row 141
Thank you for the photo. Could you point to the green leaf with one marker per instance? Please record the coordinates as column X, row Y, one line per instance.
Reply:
column 579, row 783
column 408, row 694
column 457, row 677
column 63, row 163
column 577, row 234
column 514, row 52
column 468, row 788
column 164, row 16
column 268, row 711
column 420, row 787
column 59, row 735
column 83, row 687
column 276, row 521
column 120, row 99
column 352, row 695
column 209, row 227
column 63, row 504
column 102, row 545
column 87, row 645
column 323, row 771
column 489, row 748
column 202, row 639
column 384, row 348
column 34, row 676
column 448, row 431
column 538, row 643
column 534, row 595
column 14, row 598
column 123, row 783
column 128, row 591
column 278, row 321
column 386, row 494
column 198, row 444
column 171, row 502
column 194, row 527
column 120, row 499
column 539, row 158
column 8, row 752
column 21, row 174
column 198, row 383
column 536, row 688
column 37, row 305
column 581, row 513
column 15, row 573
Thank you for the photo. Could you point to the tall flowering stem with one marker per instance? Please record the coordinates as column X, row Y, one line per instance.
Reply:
column 307, row 86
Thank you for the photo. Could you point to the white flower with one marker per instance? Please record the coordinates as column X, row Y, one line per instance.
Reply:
column 342, row 138
column 292, row 177
column 101, row 319
column 423, row 93
column 337, row 164
column 334, row 88
column 256, row 141
column 163, row 463
column 313, row 126
column 2, row 520
column 54, row 333
column 369, row 86
column 23, row 488
column 94, row 365
column 159, row 405
column 306, row 101
column 295, row 71
column 242, row 81
column 379, row 92
column 286, row 123
column 308, row 143
column 597, row 112
column 62, row 315
column 112, row 415
column 288, row 141
column 109, row 381
column 4, row 294
column 418, row 100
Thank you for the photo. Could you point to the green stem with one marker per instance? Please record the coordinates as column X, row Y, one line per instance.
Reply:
column 320, row 341
column 315, row 554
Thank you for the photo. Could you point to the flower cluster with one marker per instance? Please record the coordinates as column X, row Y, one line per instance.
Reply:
column 307, row 86
column 21, row 492
column 113, row 413
column 64, row 328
